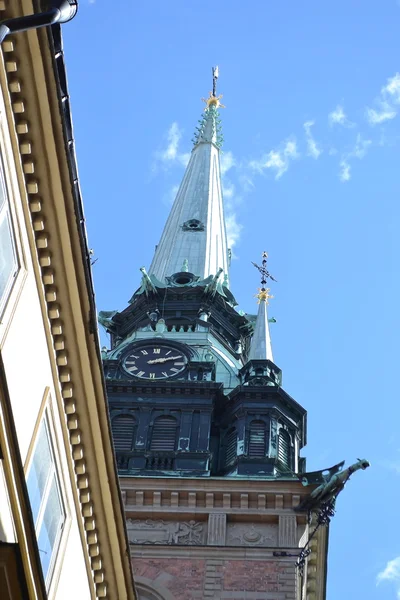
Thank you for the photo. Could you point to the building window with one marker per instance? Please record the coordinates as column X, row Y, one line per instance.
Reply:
column 163, row 437
column 46, row 503
column 123, row 430
column 230, row 446
column 284, row 448
column 257, row 439
column 8, row 256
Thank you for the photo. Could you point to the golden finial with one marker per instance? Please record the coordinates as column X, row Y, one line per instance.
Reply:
column 213, row 101
column 263, row 295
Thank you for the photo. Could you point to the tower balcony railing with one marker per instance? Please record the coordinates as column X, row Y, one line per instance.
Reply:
column 153, row 461
column 161, row 461
column 146, row 460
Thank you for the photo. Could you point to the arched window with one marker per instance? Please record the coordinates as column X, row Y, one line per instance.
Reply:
column 284, row 448
column 257, row 439
column 163, row 438
column 123, row 430
column 231, row 446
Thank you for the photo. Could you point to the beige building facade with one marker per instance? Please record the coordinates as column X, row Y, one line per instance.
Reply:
column 62, row 530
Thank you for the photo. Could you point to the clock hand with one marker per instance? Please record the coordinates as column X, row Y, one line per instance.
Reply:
column 155, row 361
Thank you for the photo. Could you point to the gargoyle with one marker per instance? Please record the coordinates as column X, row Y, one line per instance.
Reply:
column 333, row 483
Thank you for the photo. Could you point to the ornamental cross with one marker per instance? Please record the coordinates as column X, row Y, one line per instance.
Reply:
column 265, row 274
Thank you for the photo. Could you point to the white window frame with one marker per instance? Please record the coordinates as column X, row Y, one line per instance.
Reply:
column 5, row 216
column 53, row 475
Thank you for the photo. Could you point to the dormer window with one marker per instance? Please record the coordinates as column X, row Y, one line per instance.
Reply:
column 193, row 225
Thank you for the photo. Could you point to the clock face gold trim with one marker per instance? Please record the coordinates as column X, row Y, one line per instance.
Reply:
column 155, row 361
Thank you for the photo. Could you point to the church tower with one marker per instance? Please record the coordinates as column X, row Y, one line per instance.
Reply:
column 206, row 439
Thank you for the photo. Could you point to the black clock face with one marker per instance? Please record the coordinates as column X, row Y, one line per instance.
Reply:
column 155, row 361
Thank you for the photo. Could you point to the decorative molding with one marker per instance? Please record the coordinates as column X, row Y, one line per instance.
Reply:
column 215, row 496
column 187, row 533
column 38, row 194
column 246, row 534
column 287, row 531
column 216, row 529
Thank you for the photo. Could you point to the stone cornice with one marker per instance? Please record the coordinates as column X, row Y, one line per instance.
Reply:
column 57, row 244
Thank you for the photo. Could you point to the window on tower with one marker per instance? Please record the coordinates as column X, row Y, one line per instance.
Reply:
column 164, row 434
column 123, row 430
column 230, row 446
column 257, row 439
column 284, row 453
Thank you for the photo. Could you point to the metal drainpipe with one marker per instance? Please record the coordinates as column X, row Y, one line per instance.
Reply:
column 58, row 11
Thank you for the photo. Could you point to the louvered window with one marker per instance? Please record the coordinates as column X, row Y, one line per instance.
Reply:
column 163, row 438
column 284, row 447
column 231, row 446
column 257, row 439
column 123, row 428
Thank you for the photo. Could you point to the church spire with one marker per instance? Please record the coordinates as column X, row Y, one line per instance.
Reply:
column 261, row 348
column 195, row 232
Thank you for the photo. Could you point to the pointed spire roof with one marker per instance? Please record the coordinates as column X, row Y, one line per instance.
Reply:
column 261, row 348
column 195, row 231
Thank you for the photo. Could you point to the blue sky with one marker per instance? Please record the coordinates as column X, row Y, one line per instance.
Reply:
column 311, row 161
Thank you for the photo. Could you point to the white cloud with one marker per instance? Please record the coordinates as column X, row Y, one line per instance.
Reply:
column 312, row 147
column 392, row 88
column 386, row 112
column 345, row 170
column 233, row 230
column 390, row 93
column 361, row 147
column 171, row 195
column 359, row 150
column 277, row 160
column 246, row 182
column 174, row 135
column 227, row 162
column 391, row 572
column 339, row 117
column 171, row 153
column 228, row 189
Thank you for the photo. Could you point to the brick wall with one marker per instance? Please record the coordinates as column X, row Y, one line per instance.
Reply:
column 188, row 579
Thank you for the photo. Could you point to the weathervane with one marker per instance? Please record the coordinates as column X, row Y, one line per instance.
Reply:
column 265, row 274
column 215, row 73
column 213, row 99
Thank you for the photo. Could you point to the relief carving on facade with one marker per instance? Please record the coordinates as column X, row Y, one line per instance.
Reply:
column 252, row 535
column 188, row 533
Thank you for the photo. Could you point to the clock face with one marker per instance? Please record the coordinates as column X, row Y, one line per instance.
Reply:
column 155, row 361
